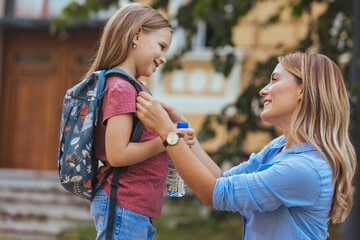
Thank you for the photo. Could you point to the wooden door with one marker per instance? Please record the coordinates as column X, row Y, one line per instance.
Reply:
column 37, row 70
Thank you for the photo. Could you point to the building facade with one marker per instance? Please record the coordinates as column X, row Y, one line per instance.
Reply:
column 37, row 67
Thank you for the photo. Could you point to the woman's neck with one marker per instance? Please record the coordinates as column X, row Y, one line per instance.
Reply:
column 290, row 142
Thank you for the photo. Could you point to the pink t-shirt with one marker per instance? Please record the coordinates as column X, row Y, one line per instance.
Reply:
column 141, row 186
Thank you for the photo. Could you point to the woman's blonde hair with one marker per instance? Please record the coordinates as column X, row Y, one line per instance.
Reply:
column 120, row 30
column 322, row 119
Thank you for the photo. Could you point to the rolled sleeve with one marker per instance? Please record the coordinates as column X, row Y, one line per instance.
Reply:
column 292, row 183
column 245, row 167
column 254, row 161
column 244, row 192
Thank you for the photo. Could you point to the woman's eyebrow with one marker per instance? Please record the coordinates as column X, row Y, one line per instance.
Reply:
column 273, row 74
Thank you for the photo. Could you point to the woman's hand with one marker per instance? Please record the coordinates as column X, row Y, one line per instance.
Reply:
column 174, row 115
column 151, row 112
column 188, row 135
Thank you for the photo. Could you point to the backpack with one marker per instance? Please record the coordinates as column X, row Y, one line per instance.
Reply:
column 77, row 163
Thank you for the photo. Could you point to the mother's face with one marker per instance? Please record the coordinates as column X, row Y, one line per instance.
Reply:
column 281, row 97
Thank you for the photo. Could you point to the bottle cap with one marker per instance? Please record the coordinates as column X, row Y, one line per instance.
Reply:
column 182, row 124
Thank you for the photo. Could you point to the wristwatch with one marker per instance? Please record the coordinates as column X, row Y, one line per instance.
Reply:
column 172, row 138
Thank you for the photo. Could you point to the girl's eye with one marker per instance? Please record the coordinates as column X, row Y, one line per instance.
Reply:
column 273, row 79
column 162, row 46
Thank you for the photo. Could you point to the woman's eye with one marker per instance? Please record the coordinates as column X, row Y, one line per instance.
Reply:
column 162, row 46
column 273, row 79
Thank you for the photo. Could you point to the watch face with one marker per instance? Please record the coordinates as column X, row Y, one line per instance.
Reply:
column 172, row 138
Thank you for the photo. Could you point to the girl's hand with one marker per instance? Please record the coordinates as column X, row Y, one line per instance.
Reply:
column 153, row 115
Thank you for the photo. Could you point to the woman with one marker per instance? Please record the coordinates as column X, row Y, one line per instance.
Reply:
column 300, row 180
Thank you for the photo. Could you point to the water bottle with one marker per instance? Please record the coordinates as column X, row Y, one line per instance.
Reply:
column 175, row 185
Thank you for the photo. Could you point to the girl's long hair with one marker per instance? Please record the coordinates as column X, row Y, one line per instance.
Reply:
column 322, row 119
column 120, row 30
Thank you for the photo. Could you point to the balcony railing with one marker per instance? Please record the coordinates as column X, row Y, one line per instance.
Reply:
column 197, row 88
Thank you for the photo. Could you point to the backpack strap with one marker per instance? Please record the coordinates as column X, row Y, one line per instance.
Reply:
column 99, row 94
column 138, row 125
column 113, row 200
column 101, row 83
column 135, row 136
column 118, row 71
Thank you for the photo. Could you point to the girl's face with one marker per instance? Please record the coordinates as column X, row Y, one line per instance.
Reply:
column 150, row 50
column 281, row 97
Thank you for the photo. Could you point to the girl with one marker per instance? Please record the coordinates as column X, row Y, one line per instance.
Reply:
column 135, row 40
column 300, row 180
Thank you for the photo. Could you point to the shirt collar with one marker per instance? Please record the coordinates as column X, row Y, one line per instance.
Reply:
column 297, row 148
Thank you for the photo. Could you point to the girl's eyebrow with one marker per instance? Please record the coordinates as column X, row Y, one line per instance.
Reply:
column 164, row 43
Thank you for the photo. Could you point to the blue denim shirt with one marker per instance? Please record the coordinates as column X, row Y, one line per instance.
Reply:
column 284, row 195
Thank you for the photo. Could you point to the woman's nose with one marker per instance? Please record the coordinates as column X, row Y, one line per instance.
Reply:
column 263, row 92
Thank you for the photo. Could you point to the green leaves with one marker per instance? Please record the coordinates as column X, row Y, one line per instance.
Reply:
column 76, row 12
column 224, row 64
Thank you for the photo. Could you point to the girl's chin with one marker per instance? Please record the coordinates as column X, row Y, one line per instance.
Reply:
column 147, row 74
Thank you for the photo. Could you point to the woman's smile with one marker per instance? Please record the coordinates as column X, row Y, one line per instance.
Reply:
column 266, row 103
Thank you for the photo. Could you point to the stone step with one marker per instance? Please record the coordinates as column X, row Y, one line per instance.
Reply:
column 36, row 184
column 36, row 229
column 21, row 236
column 25, row 185
column 11, row 196
column 34, row 206
column 44, row 211
column 6, row 173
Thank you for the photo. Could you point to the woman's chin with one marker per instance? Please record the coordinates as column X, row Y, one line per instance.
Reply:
column 264, row 116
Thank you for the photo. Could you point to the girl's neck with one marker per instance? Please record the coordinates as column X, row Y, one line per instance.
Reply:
column 128, row 69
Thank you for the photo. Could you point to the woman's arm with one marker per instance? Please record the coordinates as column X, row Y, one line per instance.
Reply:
column 206, row 160
column 196, row 175
column 199, row 152
column 119, row 151
column 199, row 173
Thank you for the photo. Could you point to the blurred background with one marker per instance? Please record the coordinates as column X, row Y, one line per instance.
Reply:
column 222, row 54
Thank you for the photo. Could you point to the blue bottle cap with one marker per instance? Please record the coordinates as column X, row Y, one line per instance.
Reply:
column 182, row 124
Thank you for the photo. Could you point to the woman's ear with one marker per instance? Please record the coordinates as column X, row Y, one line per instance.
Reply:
column 300, row 92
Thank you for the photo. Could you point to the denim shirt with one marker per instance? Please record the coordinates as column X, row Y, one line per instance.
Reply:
column 281, row 195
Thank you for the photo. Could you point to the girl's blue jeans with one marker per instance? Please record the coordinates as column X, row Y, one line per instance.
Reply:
column 128, row 225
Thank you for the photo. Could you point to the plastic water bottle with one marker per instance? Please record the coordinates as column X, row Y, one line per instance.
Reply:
column 175, row 185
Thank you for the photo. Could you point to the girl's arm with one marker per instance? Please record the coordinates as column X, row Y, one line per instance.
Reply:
column 119, row 151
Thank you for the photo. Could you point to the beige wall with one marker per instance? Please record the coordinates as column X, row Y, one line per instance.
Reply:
column 258, row 44
column 261, row 42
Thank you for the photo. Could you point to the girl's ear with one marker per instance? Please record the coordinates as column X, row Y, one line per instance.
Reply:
column 137, row 36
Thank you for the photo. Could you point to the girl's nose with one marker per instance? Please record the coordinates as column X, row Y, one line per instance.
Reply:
column 162, row 58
